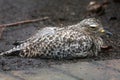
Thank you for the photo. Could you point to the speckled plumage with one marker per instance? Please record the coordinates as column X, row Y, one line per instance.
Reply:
column 79, row 40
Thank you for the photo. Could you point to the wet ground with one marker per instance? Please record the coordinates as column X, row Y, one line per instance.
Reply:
column 61, row 13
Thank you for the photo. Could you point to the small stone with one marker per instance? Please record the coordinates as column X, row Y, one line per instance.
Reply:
column 97, row 7
column 6, row 68
column 94, row 7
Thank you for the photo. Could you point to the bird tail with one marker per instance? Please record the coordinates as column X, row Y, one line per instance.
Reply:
column 11, row 52
column 15, row 51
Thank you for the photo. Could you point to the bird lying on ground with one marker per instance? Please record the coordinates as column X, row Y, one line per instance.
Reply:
column 76, row 41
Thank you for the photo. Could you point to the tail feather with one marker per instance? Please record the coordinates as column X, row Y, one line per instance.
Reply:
column 16, row 50
column 11, row 52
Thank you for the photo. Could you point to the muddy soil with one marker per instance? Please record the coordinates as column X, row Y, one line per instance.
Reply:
column 61, row 13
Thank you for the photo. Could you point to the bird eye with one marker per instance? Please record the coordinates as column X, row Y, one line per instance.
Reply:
column 92, row 27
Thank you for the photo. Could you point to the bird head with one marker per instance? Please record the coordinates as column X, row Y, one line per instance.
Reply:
column 94, row 26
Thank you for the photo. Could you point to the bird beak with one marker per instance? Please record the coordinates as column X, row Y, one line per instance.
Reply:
column 109, row 33
column 106, row 32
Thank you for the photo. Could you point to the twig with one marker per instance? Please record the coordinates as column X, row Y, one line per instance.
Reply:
column 3, row 26
column 23, row 22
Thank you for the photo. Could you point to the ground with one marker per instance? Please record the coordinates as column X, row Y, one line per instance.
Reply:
column 61, row 13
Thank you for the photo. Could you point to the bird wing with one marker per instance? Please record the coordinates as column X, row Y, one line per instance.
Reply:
column 62, row 44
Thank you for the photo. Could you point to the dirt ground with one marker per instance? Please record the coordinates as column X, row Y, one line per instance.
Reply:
column 61, row 13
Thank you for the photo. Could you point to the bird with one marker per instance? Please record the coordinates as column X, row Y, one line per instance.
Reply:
column 74, row 41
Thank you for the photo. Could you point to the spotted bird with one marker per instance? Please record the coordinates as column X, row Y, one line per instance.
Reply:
column 76, row 41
